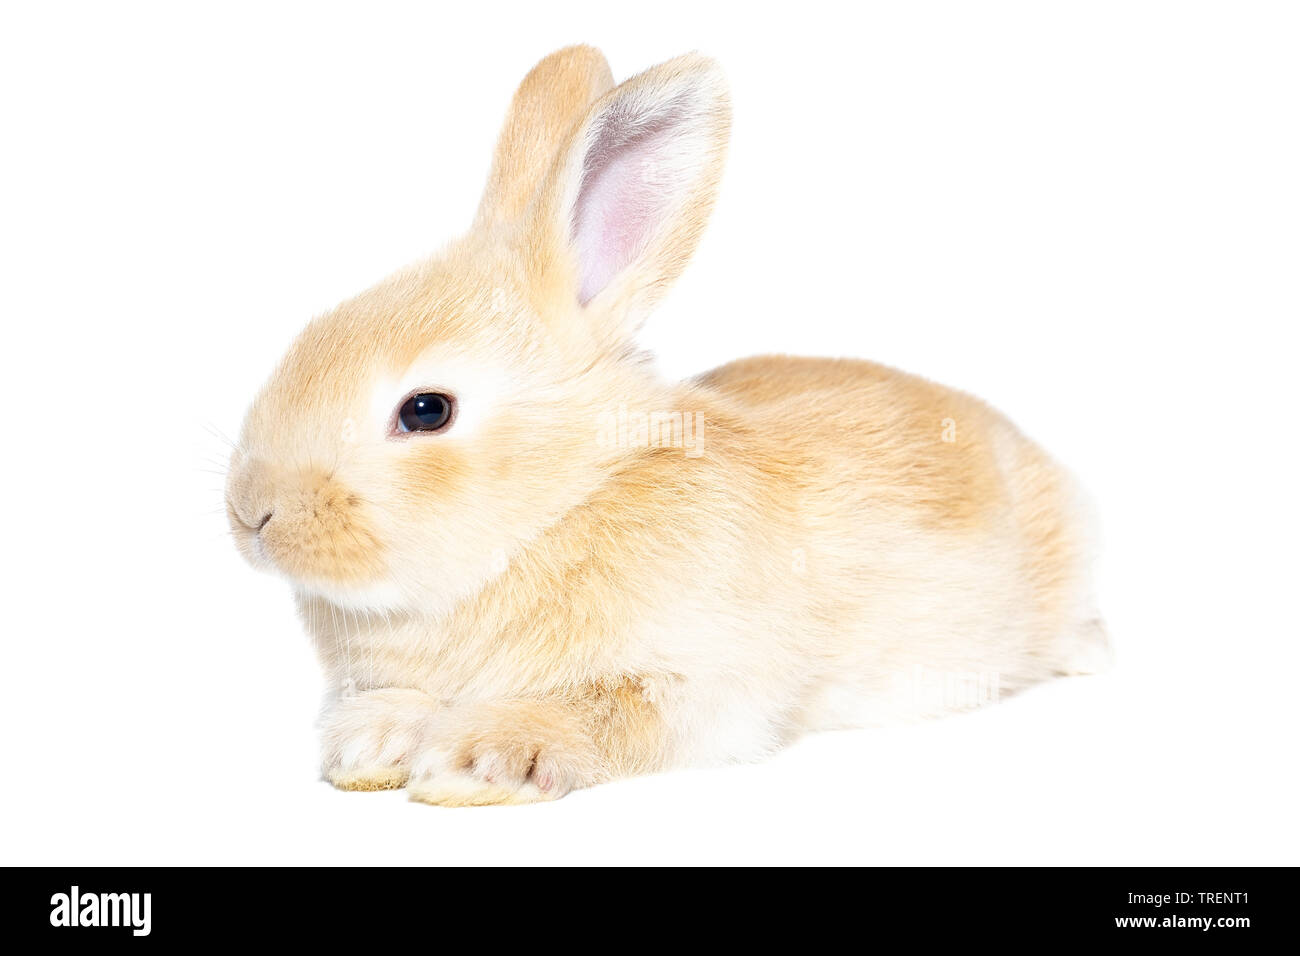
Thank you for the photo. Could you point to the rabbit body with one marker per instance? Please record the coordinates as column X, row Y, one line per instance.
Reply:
column 595, row 573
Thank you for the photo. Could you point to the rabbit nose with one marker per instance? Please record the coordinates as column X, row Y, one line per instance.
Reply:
column 254, row 526
column 250, row 518
column 250, row 496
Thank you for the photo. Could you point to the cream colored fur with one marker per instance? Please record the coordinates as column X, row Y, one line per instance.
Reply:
column 521, row 606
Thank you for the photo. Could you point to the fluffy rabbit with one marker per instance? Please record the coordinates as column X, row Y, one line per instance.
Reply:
column 530, row 565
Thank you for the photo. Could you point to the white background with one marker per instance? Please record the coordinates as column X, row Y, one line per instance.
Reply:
column 1086, row 213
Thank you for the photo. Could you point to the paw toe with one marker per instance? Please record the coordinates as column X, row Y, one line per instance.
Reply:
column 470, row 790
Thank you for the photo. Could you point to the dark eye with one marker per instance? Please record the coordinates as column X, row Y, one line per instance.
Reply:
column 425, row 412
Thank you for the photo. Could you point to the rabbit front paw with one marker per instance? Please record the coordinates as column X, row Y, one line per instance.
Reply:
column 521, row 752
column 369, row 739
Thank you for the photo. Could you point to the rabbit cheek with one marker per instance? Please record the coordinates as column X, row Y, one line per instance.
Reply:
column 436, row 481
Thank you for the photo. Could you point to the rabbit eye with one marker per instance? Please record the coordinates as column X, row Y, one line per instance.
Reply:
column 425, row 412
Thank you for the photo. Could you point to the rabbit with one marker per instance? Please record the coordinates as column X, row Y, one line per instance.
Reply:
column 530, row 565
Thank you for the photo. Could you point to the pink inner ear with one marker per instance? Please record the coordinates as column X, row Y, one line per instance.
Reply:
column 628, row 187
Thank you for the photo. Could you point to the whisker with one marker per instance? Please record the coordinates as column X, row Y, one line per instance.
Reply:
column 216, row 432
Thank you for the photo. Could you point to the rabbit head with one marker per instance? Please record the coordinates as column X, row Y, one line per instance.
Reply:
column 417, row 436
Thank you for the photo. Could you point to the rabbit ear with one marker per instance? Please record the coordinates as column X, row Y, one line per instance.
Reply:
column 550, row 101
column 628, row 199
